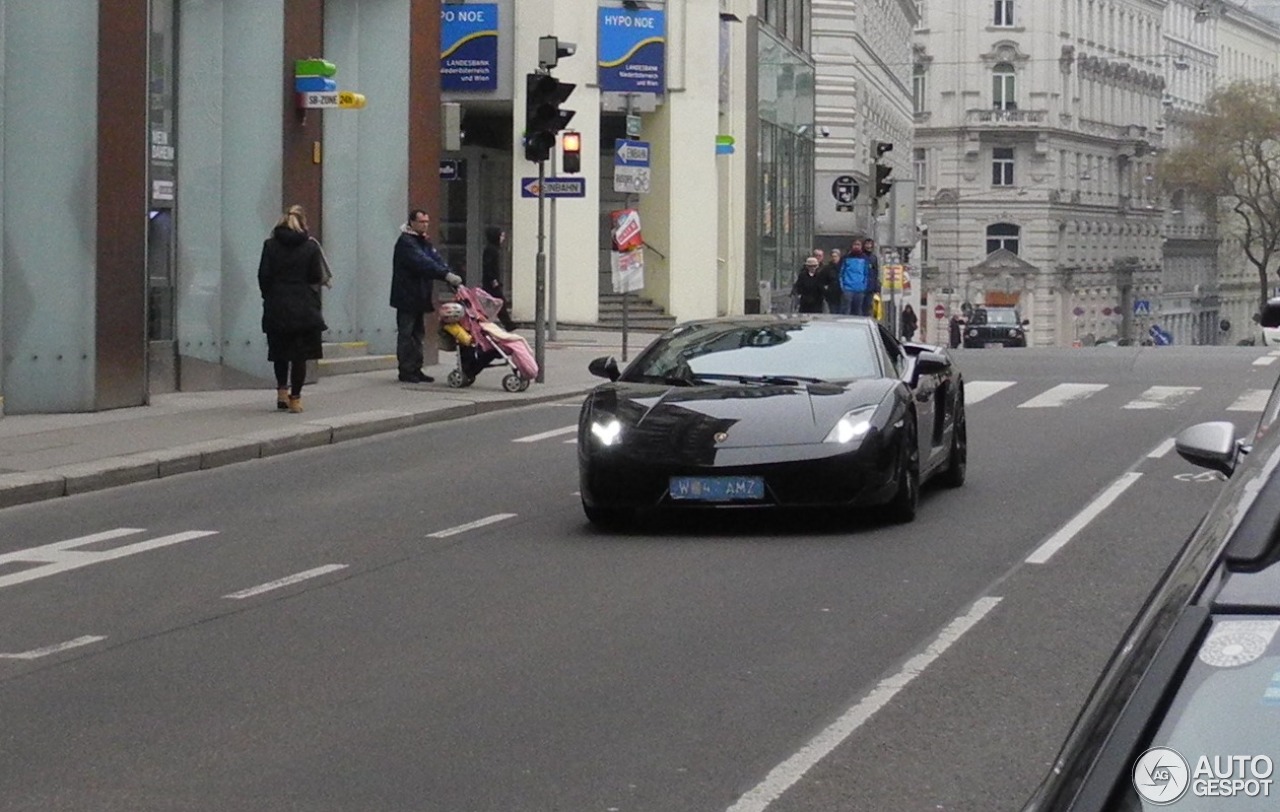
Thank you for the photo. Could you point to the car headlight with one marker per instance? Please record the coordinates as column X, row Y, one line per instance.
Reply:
column 607, row 430
column 1014, row 332
column 973, row 333
column 852, row 427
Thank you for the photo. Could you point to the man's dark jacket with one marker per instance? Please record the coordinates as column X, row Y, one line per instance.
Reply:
column 414, row 267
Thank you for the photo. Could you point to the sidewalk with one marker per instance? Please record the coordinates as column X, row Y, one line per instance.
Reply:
column 50, row 455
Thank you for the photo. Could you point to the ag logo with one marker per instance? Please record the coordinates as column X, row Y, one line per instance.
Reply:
column 1161, row 776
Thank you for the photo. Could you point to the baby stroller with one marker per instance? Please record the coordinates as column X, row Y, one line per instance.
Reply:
column 473, row 311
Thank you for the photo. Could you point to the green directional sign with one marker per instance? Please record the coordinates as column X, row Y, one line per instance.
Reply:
column 314, row 67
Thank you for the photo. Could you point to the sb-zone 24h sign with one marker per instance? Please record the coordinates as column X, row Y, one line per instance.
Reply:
column 341, row 99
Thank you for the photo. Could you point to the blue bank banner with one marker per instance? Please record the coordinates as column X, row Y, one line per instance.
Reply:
column 469, row 47
column 633, row 50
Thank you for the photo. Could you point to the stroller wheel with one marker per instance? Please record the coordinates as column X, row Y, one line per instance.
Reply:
column 514, row 383
column 456, row 379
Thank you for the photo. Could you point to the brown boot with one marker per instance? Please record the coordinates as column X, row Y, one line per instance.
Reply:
column 295, row 404
column 282, row 398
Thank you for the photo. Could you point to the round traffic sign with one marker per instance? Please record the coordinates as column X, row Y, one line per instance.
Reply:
column 1106, row 311
column 939, row 312
column 1078, row 311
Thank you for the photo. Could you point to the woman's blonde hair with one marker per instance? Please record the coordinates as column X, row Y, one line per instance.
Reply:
column 294, row 218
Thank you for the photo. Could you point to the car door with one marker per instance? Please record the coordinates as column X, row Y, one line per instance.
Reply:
column 923, row 389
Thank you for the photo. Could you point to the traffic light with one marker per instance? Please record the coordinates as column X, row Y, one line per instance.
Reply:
column 543, row 118
column 882, row 147
column 883, row 186
column 571, row 145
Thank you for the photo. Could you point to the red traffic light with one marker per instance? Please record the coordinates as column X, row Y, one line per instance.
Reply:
column 571, row 145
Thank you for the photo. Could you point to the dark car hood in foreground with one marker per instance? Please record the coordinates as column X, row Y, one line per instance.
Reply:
column 675, row 420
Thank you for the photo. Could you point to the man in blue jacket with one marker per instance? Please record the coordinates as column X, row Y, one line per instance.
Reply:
column 857, row 282
column 415, row 265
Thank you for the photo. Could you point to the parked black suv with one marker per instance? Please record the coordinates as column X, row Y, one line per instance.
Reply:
column 1188, row 708
column 995, row 327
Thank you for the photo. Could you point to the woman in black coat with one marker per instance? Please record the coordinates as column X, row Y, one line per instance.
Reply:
column 491, row 273
column 289, row 275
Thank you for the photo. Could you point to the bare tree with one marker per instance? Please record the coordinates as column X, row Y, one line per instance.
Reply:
column 1231, row 163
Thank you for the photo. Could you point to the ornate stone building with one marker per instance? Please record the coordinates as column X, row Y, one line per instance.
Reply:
column 1036, row 132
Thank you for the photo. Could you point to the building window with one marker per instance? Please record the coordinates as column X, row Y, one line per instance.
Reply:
column 920, row 160
column 1002, row 166
column 1004, row 13
column 1002, row 87
column 1002, row 235
column 918, row 88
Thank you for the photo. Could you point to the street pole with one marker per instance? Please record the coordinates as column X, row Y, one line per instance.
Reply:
column 540, row 281
column 551, row 274
column 626, row 295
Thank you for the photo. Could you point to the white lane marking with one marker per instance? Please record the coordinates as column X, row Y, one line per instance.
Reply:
column 975, row 391
column 1162, row 397
column 1059, row 539
column 1062, row 394
column 571, row 441
column 1252, row 400
column 462, row 528
column 59, row 557
column 288, row 580
column 786, row 774
column 1162, row 449
column 36, row 653
column 1265, row 360
column 533, row 438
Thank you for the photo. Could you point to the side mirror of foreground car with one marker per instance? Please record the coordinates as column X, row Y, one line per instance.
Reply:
column 605, row 367
column 1210, row 445
column 931, row 363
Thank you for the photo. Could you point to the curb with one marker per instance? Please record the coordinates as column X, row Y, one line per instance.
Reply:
column 84, row 477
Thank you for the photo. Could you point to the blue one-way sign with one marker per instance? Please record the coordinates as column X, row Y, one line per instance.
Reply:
column 554, row 187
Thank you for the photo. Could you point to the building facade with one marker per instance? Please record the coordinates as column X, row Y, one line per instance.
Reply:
column 1036, row 133
column 168, row 132
column 1248, row 48
column 863, row 55
column 189, row 140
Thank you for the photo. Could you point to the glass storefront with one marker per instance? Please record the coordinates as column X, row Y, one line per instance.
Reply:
column 786, row 158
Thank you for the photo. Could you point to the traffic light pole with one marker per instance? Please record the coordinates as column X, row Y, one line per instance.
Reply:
column 540, row 281
column 551, row 266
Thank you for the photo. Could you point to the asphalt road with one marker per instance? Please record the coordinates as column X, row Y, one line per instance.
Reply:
column 424, row 621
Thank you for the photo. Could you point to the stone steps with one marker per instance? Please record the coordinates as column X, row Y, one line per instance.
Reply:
column 345, row 357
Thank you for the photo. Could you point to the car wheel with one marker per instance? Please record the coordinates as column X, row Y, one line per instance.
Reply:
column 607, row 518
column 958, row 457
column 903, row 507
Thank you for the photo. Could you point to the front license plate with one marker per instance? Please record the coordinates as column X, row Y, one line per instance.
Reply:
column 717, row 488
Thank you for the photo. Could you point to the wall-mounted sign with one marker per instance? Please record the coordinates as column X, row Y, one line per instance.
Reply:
column 633, row 50
column 317, row 90
column 469, row 47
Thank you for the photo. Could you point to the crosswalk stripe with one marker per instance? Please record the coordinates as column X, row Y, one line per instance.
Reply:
column 1162, row 397
column 975, row 391
column 1253, row 400
column 1265, row 360
column 1062, row 394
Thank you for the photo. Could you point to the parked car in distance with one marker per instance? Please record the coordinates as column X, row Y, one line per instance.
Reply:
column 771, row 411
column 1188, row 707
column 995, row 327
column 1269, row 323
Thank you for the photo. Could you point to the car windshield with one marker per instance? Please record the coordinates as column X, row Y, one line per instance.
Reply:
column 1001, row 317
column 1228, row 705
column 761, row 351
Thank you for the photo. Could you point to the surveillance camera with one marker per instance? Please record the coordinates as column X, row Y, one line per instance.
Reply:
column 824, row 131
column 923, row 228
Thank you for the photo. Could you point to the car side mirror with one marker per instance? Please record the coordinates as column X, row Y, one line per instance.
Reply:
column 1210, row 445
column 1026, row 322
column 931, row 363
column 605, row 367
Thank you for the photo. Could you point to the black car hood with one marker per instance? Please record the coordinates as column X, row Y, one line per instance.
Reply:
column 677, row 420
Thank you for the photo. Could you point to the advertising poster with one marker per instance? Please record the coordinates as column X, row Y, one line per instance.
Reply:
column 627, row 258
column 633, row 50
column 469, row 47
